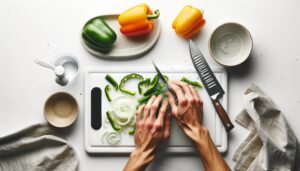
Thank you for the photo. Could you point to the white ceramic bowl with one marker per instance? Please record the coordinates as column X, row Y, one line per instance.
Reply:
column 230, row 44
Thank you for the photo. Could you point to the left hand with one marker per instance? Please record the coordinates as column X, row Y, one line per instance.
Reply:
column 151, row 132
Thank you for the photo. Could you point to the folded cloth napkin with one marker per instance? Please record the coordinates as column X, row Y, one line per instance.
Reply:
column 271, row 144
column 36, row 148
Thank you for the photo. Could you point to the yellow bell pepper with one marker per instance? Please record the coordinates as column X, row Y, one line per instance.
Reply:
column 188, row 22
column 137, row 20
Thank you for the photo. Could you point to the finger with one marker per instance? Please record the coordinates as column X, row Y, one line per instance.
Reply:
column 139, row 113
column 179, row 93
column 154, row 107
column 172, row 102
column 159, row 122
column 187, row 91
column 167, row 125
column 139, row 116
column 200, row 112
column 162, row 112
column 194, row 91
column 196, row 96
column 148, row 107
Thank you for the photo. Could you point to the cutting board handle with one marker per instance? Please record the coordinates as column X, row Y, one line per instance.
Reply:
column 223, row 115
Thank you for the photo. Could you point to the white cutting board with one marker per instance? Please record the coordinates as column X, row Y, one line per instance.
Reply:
column 178, row 141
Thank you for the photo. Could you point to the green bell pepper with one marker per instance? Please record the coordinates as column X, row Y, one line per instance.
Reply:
column 98, row 35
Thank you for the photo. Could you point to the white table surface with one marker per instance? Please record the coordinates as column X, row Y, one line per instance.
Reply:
column 43, row 29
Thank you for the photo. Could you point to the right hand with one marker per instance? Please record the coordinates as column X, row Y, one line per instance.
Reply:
column 189, row 115
column 189, row 110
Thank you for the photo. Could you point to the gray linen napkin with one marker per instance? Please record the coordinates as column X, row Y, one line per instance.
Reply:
column 36, row 148
column 271, row 144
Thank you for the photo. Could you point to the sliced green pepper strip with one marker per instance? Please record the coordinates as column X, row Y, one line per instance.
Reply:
column 152, row 86
column 106, row 90
column 155, row 79
column 112, row 121
column 131, row 130
column 155, row 84
column 145, row 82
column 193, row 83
column 146, row 98
column 126, row 78
column 112, row 81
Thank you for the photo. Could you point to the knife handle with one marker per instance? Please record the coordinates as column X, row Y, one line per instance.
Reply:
column 223, row 115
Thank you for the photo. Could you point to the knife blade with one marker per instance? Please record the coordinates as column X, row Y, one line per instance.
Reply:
column 210, row 82
column 160, row 75
column 165, row 82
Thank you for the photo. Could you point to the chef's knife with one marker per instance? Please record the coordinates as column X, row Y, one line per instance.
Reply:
column 165, row 81
column 211, row 84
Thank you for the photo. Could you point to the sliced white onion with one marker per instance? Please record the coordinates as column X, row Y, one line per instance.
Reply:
column 113, row 137
column 124, row 108
column 110, row 137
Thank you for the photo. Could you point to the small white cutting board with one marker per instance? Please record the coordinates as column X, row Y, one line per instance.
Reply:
column 178, row 141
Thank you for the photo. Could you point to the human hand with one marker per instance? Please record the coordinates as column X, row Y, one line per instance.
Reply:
column 151, row 132
column 189, row 115
column 189, row 110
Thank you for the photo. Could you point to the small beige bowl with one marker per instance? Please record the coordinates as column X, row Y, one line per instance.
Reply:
column 61, row 109
column 230, row 44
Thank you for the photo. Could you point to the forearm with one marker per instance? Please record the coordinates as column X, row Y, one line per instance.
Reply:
column 138, row 161
column 212, row 159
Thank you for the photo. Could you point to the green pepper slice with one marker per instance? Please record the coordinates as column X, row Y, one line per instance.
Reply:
column 131, row 130
column 125, row 79
column 98, row 35
column 147, row 97
column 106, row 90
column 112, row 81
column 152, row 86
column 156, row 84
column 145, row 82
column 112, row 121
column 193, row 83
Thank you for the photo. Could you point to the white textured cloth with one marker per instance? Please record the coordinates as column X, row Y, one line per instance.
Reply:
column 271, row 144
column 36, row 148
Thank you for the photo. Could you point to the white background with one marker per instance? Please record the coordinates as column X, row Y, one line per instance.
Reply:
column 45, row 28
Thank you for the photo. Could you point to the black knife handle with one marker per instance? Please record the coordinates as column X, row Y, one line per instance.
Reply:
column 223, row 115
